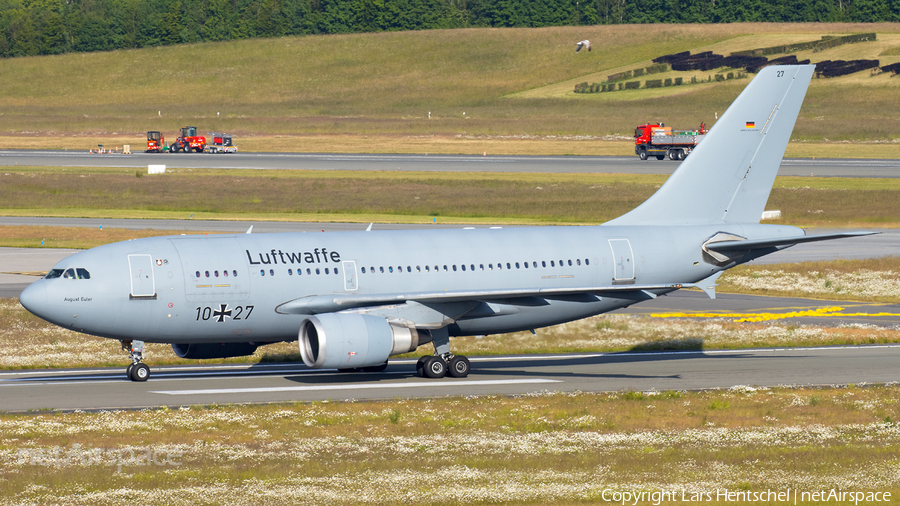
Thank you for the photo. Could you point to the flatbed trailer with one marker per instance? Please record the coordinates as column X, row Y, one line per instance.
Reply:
column 660, row 141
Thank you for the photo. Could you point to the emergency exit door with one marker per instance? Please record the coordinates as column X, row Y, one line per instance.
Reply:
column 623, row 261
column 143, row 285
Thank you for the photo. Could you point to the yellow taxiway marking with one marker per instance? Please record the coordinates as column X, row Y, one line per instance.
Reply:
column 832, row 311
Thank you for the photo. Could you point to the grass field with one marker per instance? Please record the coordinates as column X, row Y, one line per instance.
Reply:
column 535, row 449
column 414, row 197
column 408, row 89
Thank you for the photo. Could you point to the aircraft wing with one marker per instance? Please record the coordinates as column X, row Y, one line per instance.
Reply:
column 337, row 302
column 746, row 245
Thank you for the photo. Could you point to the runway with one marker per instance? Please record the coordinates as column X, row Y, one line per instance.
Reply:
column 502, row 375
column 422, row 162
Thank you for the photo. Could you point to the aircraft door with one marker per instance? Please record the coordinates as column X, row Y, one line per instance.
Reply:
column 350, row 282
column 143, row 285
column 623, row 261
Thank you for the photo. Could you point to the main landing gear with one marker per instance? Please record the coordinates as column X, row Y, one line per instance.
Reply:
column 137, row 371
column 438, row 366
column 442, row 362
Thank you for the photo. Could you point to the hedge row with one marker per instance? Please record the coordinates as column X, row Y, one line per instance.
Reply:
column 628, row 74
column 586, row 87
column 893, row 68
column 835, row 68
column 826, row 42
column 784, row 60
column 708, row 60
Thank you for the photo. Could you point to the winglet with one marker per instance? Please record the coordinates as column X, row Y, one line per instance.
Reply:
column 369, row 228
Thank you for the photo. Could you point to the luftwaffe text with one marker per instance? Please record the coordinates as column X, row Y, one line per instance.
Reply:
column 275, row 256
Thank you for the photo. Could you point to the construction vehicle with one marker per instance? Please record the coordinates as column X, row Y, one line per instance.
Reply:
column 661, row 141
column 156, row 142
column 221, row 143
column 188, row 141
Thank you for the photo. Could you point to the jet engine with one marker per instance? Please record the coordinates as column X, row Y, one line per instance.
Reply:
column 214, row 350
column 350, row 340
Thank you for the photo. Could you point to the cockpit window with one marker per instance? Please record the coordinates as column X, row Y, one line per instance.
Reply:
column 53, row 274
column 70, row 273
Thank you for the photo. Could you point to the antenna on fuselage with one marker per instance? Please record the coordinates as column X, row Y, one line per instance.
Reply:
column 249, row 229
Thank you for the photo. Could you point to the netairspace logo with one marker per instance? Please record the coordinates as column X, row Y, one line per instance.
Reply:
column 125, row 457
column 788, row 496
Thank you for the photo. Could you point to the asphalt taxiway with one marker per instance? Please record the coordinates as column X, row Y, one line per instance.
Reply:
column 421, row 162
column 96, row 389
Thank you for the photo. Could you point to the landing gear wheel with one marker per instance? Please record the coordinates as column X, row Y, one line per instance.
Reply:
column 459, row 367
column 375, row 368
column 435, row 367
column 420, row 366
column 140, row 372
column 136, row 371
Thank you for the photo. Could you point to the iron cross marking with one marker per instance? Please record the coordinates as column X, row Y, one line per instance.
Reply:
column 222, row 312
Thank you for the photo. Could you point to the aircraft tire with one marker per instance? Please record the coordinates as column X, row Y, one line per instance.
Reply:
column 420, row 366
column 128, row 370
column 435, row 367
column 459, row 367
column 140, row 372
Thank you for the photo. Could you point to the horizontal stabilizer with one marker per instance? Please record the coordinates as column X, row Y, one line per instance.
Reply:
column 728, row 246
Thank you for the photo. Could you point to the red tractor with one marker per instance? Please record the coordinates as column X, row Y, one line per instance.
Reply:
column 189, row 141
column 156, row 143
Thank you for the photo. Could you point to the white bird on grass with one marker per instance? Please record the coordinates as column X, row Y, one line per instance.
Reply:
column 583, row 44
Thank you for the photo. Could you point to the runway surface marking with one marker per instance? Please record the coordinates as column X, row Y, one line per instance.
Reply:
column 354, row 386
column 830, row 311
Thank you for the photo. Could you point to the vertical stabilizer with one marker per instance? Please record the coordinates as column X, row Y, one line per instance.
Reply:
column 728, row 177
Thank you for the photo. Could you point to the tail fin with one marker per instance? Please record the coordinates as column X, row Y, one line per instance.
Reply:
column 728, row 177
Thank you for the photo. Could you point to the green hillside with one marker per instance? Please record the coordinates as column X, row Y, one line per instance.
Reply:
column 473, row 82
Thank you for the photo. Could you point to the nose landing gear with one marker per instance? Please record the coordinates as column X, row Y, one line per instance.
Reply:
column 137, row 371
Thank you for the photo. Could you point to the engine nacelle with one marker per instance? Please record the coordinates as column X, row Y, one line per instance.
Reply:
column 214, row 350
column 351, row 340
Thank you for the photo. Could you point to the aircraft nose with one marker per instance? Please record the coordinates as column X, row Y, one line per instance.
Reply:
column 34, row 297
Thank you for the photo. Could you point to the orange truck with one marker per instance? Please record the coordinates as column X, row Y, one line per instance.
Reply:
column 661, row 141
column 188, row 141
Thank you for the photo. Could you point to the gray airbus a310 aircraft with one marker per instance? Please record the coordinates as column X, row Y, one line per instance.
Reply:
column 353, row 299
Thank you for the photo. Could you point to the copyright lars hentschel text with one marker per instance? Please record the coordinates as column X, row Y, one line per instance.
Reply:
column 790, row 496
